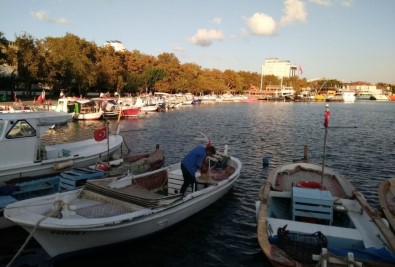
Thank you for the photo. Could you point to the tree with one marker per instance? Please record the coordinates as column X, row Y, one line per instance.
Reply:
column 151, row 76
column 171, row 65
column 135, row 83
column 249, row 79
column 29, row 60
column 71, row 62
column 233, row 81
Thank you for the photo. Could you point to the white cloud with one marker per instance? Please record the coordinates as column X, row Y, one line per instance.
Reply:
column 43, row 16
column 204, row 37
column 217, row 20
column 325, row 3
column 261, row 24
column 346, row 3
column 178, row 49
column 328, row 3
column 294, row 11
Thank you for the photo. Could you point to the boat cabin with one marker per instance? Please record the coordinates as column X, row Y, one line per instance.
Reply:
column 20, row 135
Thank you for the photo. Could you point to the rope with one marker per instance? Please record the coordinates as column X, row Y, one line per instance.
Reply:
column 58, row 205
column 128, row 149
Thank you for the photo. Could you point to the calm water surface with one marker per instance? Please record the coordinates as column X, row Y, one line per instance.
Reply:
column 360, row 144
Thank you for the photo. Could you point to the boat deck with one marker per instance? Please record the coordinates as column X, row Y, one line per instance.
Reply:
column 101, row 210
column 285, row 181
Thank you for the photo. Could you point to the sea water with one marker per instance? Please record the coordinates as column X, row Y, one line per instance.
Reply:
column 360, row 143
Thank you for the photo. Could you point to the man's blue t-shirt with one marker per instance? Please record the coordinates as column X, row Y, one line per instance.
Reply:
column 194, row 159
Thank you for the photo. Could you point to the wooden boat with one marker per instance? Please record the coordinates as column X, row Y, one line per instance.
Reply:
column 310, row 215
column 305, row 210
column 20, row 137
column 387, row 200
column 108, row 211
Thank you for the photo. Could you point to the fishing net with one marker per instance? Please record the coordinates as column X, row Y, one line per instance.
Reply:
column 299, row 246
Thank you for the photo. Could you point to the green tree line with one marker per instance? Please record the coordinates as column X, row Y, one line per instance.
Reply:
column 80, row 66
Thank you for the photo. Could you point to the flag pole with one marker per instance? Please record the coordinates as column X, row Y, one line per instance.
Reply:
column 326, row 124
column 108, row 141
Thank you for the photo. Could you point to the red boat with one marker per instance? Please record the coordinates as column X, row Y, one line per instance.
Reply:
column 129, row 111
column 392, row 98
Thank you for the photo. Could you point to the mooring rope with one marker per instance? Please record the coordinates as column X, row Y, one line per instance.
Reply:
column 59, row 207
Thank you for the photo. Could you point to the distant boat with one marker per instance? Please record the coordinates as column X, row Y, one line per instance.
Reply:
column 87, row 109
column 109, row 107
column 130, row 111
column 348, row 96
column 379, row 97
column 81, row 109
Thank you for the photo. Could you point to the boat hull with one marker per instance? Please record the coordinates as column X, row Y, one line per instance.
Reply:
column 88, row 116
column 387, row 200
column 63, row 236
column 131, row 111
column 53, row 241
column 79, row 158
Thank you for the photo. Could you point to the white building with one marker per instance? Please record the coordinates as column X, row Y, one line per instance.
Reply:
column 279, row 68
column 118, row 45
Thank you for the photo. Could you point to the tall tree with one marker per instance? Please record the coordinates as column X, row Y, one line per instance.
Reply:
column 152, row 76
column 72, row 62
column 29, row 61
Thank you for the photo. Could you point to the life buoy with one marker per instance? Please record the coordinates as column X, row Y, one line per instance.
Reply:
column 309, row 184
column 103, row 167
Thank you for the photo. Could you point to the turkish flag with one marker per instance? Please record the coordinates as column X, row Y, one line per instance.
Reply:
column 100, row 134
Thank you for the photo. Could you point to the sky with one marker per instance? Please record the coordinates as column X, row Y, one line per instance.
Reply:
column 347, row 40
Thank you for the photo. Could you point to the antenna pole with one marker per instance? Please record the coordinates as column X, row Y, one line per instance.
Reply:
column 326, row 124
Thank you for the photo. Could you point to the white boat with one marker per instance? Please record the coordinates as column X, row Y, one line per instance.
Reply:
column 379, row 97
column 20, row 135
column 108, row 106
column 147, row 104
column 81, row 109
column 108, row 211
column 348, row 96
column 87, row 109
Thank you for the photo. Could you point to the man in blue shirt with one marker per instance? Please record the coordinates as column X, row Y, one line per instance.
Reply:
column 191, row 163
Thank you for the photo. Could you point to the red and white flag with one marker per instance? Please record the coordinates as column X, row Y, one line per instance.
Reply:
column 100, row 134
column 300, row 70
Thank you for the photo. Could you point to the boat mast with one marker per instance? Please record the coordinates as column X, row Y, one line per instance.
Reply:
column 260, row 88
column 326, row 124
